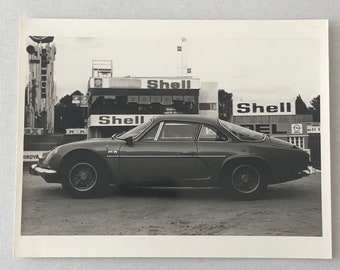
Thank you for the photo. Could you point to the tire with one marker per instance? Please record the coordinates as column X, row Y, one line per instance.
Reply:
column 245, row 181
column 84, row 177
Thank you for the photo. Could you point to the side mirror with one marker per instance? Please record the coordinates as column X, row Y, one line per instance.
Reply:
column 129, row 140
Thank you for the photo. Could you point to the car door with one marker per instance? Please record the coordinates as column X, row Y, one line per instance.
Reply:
column 166, row 151
column 213, row 147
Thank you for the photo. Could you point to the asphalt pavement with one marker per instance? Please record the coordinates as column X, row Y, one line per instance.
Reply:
column 288, row 209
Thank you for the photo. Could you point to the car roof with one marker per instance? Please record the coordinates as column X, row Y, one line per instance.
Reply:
column 187, row 118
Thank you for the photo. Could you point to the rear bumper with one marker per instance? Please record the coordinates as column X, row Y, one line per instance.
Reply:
column 305, row 173
column 289, row 175
column 50, row 176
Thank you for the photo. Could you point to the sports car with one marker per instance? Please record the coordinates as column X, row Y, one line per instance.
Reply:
column 176, row 150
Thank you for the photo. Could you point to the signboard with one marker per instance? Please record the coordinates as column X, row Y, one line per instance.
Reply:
column 177, row 98
column 170, row 83
column 118, row 120
column 80, row 100
column 34, row 131
column 132, row 99
column 76, row 99
column 76, row 131
column 32, row 155
column 278, row 129
column 167, row 100
column 146, row 83
column 109, row 82
column 313, row 129
column 144, row 99
column 189, row 99
column 296, row 128
column 270, row 129
column 156, row 99
column 243, row 108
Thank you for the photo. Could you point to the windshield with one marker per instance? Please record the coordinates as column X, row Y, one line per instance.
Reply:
column 242, row 133
column 135, row 131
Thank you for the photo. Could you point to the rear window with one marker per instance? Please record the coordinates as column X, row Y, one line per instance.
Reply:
column 242, row 133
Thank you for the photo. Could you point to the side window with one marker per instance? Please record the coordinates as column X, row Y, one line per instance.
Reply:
column 176, row 131
column 150, row 135
column 211, row 134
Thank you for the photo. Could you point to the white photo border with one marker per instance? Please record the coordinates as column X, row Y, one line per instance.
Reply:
column 179, row 246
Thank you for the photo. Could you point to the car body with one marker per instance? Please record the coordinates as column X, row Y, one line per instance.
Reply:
column 180, row 150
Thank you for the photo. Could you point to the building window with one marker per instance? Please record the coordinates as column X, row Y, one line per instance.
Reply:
column 208, row 106
column 143, row 104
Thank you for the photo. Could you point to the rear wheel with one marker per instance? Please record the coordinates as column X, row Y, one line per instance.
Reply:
column 245, row 181
column 84, row 177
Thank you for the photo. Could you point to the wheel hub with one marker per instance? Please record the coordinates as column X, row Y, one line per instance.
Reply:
column 245, row 178
column 83, row 175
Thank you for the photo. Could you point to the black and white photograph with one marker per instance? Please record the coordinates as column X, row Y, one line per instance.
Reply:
column 143, row 138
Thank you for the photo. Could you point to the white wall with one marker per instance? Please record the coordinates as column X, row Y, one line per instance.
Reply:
column 209, row 94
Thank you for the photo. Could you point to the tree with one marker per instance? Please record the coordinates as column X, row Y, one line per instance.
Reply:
column 224, row 105
column 68, row 114
column 315, row 108
column 300, row 106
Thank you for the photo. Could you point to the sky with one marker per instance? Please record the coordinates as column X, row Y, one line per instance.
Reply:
column 251, row 68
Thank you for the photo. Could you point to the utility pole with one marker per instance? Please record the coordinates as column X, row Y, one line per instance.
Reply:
column 184, row 57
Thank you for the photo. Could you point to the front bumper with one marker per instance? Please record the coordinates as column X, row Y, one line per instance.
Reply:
column 50, row 176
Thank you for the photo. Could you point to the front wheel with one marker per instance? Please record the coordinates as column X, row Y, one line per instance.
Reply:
column 84, row 178
column 245, row 181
